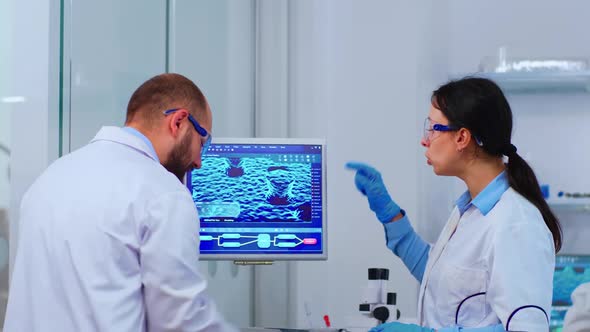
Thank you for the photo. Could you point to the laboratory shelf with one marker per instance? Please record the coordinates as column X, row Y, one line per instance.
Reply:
column 531, row 82
column 572, row 205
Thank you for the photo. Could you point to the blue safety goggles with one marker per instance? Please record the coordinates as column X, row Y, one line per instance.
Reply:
column 430, row 128
column 202, row 131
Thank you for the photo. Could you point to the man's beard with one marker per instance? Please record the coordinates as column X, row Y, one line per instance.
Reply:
column 179, row 159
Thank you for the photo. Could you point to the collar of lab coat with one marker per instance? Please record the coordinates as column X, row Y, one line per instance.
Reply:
column 146, row 140
column 433, row 256
column 487, row 198
column 118, row 135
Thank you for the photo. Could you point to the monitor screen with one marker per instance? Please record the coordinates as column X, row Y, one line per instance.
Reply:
column 262, row 199
column 570, row 272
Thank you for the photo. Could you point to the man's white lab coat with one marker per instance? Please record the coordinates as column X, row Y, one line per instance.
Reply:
column 109, row 241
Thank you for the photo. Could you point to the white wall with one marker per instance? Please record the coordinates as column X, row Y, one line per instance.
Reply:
column 356, row 78
column 355, row 82
column 213, row 43
column 436, row 194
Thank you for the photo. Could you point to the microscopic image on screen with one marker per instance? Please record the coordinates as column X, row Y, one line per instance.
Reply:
column 255, row 189
column 570, row 272
column 261, row 198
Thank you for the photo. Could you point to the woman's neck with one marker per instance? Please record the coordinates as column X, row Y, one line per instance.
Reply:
column 480, row 173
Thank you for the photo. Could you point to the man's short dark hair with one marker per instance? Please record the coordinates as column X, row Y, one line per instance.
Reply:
column 163, row 92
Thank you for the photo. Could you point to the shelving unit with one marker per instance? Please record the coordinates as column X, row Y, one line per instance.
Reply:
column 570, row 205
column 549, row 81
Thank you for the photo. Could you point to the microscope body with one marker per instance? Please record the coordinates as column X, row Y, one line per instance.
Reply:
column 378, row 306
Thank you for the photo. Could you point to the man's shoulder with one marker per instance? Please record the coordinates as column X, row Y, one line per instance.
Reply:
column 108, row 164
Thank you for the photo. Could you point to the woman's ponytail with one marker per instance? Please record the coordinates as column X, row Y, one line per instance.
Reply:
column 522, row 179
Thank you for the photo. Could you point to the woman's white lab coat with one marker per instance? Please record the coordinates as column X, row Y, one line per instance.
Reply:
column 494, row 256
column 109, row 241
column 507, row 253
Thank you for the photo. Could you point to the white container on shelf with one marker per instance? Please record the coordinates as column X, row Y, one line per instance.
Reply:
column 535, row 74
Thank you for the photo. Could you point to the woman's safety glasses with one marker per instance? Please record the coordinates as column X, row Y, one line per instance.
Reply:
column 202, row 131
column 430, row 128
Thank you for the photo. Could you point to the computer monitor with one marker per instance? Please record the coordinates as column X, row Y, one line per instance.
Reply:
column 262, row 199
column 570, row 272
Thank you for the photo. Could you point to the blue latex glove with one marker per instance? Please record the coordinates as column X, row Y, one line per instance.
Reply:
column 369, row 182
column 400, row 327
column 492, row 328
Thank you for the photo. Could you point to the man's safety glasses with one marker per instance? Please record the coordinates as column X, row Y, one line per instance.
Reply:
column 202, row 131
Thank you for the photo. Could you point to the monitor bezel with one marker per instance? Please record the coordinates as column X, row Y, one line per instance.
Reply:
column 279, row 257
column 572, row 254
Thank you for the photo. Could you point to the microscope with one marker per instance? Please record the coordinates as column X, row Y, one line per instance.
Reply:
column 378, row 305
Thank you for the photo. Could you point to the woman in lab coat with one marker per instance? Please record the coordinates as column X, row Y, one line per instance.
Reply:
column 492, row 266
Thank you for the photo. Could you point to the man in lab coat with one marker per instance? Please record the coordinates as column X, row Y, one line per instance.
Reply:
column 109, row 235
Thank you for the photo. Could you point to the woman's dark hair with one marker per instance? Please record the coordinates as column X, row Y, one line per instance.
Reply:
column 479, row 105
